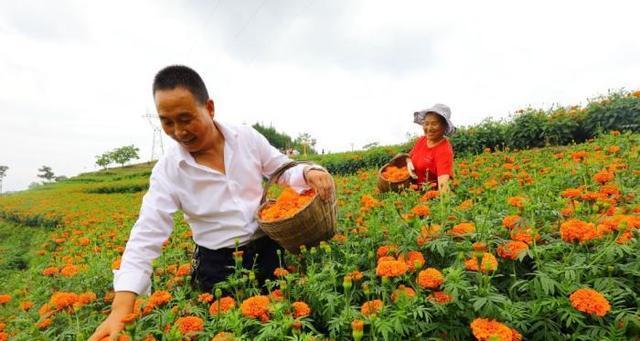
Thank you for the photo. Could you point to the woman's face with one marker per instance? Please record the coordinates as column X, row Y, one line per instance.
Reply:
column 433, row 126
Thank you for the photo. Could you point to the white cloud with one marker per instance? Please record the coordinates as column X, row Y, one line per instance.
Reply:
column 76, row 76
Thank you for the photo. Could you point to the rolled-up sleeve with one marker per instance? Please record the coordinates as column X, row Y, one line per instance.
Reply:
column 153, row 227
column 271, row 159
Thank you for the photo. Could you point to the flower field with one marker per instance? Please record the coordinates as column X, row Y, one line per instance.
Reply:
column 541, row 244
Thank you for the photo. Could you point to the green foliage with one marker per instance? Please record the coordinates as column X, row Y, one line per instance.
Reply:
column 277, row 139
column 46, row 173
column 120, row 156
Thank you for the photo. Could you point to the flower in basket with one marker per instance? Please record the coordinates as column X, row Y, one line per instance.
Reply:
column 395, row 174
column 288, row 204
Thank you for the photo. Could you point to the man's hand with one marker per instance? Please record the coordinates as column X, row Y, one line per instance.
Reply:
column 321, row 181
column 113, row 325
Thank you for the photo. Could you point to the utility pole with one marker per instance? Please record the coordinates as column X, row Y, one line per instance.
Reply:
column 157, row 148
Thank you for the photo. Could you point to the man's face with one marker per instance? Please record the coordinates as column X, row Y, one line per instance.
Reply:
column 185, row 119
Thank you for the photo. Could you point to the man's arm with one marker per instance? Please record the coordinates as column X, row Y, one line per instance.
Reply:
column 153, row 227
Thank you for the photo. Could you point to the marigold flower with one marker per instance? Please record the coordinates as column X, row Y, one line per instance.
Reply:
column 577, row 230
column 190, row 324
column 512, row 249
column 492, row 330
column 50, row 271
column 395, row 174
column 421, row 211
column 429, row 195
column 25, row 305
column 300, row 309
column 413, row 259
column 430, row 278
column 256, row 307
column 479, row 246
column 440, row 297
column 391, row 268
column 5, row 298
column 462, row 229
column 516, row 201
column 287, row 205
column 386, row 250
column 44, row 323
column 130, row 317
column 371, row 307
column 69, row 270
column 61, row 300
column 603, row 176
column 224, row 336
column 357, row 325
column 205, row 297
column 276, row 295
column 184, row 270
column 590, row 301
column 280, row 272
column 489, row 263
column 525, row 234
column 571, row 193
column 225, row 304
column 156, row 299
column 402, row 291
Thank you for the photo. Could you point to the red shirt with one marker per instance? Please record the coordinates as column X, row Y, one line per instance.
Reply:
column 437, row 160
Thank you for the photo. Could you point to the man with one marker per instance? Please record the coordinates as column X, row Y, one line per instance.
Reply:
column 214, row 176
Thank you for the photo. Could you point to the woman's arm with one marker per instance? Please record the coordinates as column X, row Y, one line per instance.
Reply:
column 443, row 183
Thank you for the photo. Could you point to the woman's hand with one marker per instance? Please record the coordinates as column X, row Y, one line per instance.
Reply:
column 411, row 169
column 321, row 181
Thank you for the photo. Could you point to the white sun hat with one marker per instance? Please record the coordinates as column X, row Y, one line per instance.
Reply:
column 440, row 109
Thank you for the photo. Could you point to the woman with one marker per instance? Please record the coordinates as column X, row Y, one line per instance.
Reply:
column 430, row 161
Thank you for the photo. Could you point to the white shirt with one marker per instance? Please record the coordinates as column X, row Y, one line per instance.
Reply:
column 220, row 208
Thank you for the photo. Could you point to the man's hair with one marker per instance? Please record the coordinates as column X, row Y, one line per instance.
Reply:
column 174, row 76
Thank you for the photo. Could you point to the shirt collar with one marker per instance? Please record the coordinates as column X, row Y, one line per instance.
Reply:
column 230, row 136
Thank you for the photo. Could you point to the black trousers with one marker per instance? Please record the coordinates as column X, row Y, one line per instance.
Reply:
column 212, row 266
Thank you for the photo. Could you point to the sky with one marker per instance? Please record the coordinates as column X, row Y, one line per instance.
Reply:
column 75, row 76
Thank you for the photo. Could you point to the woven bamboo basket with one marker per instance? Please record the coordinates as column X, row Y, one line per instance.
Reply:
column 312, row 224
column 385, row 185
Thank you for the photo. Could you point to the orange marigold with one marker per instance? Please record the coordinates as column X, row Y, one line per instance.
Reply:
column 516, row 201
column 421, row 211
column 489, row 263
column 69, row 270
column 571, row 193
column 371, row 307
column 512, row 249
column 288, row 204
column 280, row 272
column 429, row 195
column 205, row 297
column 577, row 230
column 50, row 271
column 256, row 307
column 300, row 309
column 386, row 250
column 62, row 300
column 190, row 324
column 511, row 221
column 225, row 304
column 413, row 259
column 395, row 174
column 603, row 176
column 462, row 229
column 391, row 268
column 430, row 278
column 525, row 234
column 402, row 291
column 44, row 323
column 492, row 330
column 5, row 298
column 224, row 336
column 590, row 301
column 440, row 297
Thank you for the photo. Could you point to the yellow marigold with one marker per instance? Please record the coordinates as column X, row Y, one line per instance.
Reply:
column 190, row 324
column 256, row 307
column 489, row 263
column 371, row 307
column 402, row 291
column 462, row 229
column 430, row 278
column 574, row 230
column 225, row 304
column 590, row 301
column 391, row 268
column 492, row 330
column 512, row 249
column 421, row 211
column 300, row 309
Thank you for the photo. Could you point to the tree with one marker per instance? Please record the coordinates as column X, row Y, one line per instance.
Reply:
column 124, row 154
column 307, row 142
column 104, row 160
column 277, row 139
column 46, row 173
column 3, row 173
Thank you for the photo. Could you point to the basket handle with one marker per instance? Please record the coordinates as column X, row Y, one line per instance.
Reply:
column 277, row 174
